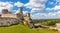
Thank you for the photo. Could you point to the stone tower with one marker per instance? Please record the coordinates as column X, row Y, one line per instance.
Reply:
column 20, row 13
column 4, row 11
column 20, row 10
column 28, row 14
column 27, row 17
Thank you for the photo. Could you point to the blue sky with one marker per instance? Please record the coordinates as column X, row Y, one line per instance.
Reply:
column 39, row 9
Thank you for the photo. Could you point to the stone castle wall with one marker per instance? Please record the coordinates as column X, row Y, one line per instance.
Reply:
column 9, row 16
column 8, row 21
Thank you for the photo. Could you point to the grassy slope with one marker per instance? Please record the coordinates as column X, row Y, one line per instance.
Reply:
column 24, row 29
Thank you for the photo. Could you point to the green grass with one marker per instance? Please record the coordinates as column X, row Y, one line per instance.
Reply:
column 24, row 29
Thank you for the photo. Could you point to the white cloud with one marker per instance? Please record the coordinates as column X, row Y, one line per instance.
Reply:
column 45, row 16
column 36, row 10
column 58, row 2
column 39, row 5
column 24, row 12
column 5, row 5
column 49, row 9
column 18, row 4
column 39, row 16
column 58, row 12
column 17, row 11
column 53, row 15
column 51, row 3
column 57, row 7
column 9, row 5
column 36, row 5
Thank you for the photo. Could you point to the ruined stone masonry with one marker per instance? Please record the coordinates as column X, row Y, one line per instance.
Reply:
column 7, row 18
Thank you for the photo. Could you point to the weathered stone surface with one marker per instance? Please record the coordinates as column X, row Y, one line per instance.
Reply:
column 8, row 21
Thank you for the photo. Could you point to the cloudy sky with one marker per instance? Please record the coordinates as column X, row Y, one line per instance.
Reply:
column 39, row 9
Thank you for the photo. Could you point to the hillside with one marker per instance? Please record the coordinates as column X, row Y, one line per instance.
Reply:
column 24, row 29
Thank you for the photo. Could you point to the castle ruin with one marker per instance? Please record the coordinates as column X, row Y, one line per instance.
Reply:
column 7, row 18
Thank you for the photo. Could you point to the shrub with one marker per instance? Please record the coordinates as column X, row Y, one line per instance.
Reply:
column 49, row 23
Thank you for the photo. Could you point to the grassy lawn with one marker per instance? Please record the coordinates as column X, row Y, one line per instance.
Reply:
column 24, row 29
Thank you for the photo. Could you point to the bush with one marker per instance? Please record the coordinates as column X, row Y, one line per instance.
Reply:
column 50, row 23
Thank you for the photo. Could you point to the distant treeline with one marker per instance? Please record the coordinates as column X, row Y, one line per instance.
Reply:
column 48, row 22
